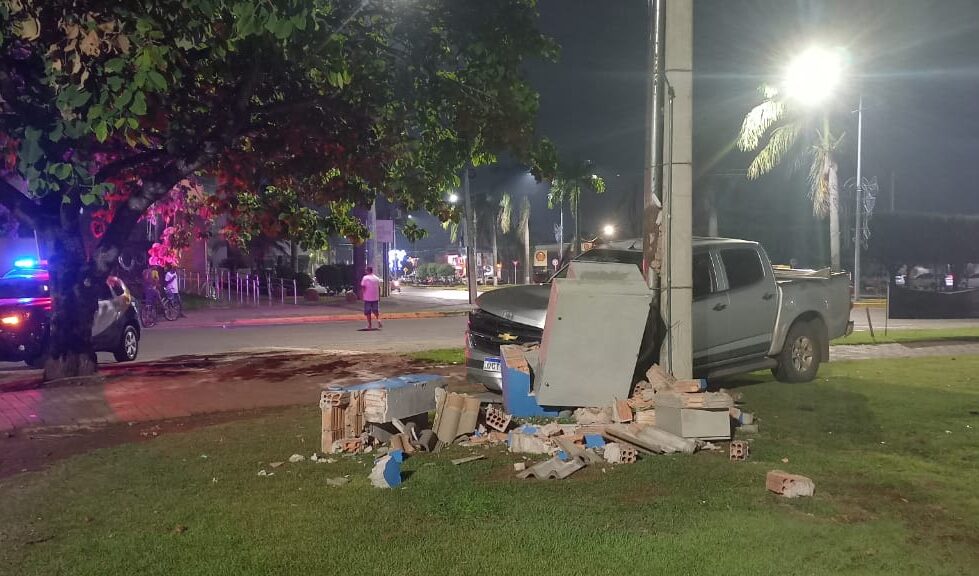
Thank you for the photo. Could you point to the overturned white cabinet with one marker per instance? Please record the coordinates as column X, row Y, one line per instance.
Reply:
column 592, row 334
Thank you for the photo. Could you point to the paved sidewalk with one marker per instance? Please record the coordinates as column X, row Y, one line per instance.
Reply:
column 906, row 350
column 334, row 309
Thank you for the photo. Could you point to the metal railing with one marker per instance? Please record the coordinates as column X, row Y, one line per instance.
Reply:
column 239, row 288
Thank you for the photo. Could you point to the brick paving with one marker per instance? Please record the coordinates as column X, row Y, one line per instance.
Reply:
column 161, row 390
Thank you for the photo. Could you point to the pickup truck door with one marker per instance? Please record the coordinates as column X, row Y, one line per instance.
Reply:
column 753, row 304
column 711, row 326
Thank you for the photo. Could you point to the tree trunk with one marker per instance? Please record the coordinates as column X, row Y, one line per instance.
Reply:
column 293, row 256
column 528, row 265
column 496, row 258
column 74, row 291
column 359, row 254
column 834, row 218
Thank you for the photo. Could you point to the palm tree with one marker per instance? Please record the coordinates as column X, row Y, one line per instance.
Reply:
column 571, row 180
column 521, row 226
column 778, row 132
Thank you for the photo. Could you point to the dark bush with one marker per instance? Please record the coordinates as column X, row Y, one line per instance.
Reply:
column 303, row 281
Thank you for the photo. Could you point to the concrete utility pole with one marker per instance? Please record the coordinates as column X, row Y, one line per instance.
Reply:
column 466, row 229
column 677, row 290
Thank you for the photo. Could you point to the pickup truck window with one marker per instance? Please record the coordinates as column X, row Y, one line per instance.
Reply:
column 703, row 277
column 743, row 267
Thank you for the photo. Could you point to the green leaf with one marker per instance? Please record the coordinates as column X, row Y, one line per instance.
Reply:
column 157, row 80
column 139, row 104
column 78, row 98
column 89, row 199
column 56, row 134
column 101, row 130
column 60, row 170
column 114, row 82
column 133, row 123
column 114, row 65
column 123, row 100
column 30, row 147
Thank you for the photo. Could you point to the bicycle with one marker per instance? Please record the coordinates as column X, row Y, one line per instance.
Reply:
column 149, row 311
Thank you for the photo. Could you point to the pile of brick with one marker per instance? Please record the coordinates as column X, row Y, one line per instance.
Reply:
column 391, row 419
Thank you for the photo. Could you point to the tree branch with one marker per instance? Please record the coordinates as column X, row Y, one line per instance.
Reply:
column 22, row 207
column 114, row 168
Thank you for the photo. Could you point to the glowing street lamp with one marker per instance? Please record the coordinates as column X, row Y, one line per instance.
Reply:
column 608, row 231
column 812, row 78
column 453, row 198
column 814, row 75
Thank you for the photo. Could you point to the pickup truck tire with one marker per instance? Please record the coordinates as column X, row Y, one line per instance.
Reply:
column 801, row 354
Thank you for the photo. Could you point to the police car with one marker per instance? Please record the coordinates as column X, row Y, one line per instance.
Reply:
column 25, row 316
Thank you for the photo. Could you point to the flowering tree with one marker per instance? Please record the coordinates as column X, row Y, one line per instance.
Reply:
column 104, row 107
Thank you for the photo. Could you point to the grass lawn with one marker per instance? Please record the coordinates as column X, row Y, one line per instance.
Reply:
column 922, row 335
column 441, row 356
column 891, row 445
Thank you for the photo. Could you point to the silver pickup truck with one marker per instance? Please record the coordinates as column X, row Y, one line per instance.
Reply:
column 747, row 315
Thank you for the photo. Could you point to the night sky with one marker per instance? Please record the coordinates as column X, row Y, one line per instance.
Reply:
column 917, row 64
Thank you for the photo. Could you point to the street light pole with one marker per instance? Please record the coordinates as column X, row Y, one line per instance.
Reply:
column 858, row 234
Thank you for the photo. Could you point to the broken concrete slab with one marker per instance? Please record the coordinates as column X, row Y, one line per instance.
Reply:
column 399, row 397
column 712, row 400
column 588, row 416
column 553, row 468
column 468, row 459
column 789, row 485
column 706, row 424
column 550, row 429
column 296, row 458
column 651, row 439
column 338, row 481
column 527, row 443
column 575, row 451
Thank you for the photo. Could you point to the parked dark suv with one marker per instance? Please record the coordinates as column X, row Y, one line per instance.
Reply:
column 25, row 316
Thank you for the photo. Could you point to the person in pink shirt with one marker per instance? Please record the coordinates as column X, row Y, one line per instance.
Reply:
column 370, row 293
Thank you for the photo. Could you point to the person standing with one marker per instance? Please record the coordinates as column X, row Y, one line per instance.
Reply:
column 172, row 286
column 370, row 293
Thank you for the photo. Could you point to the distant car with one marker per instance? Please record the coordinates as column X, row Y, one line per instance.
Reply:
column 923, row 281
column 25, row 318
column 970, row 281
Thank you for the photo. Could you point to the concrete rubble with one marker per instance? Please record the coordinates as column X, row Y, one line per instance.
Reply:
column 661, row 415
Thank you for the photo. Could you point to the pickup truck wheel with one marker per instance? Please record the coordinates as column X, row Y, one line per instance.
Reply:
column 800, row 357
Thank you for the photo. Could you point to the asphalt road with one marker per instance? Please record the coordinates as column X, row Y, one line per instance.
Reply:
column 396, row 336
column 167, row 340
column 171, row 339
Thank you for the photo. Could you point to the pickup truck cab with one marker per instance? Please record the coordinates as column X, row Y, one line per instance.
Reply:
column 747, row 315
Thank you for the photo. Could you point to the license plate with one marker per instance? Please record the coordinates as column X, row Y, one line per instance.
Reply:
column 491, row 364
